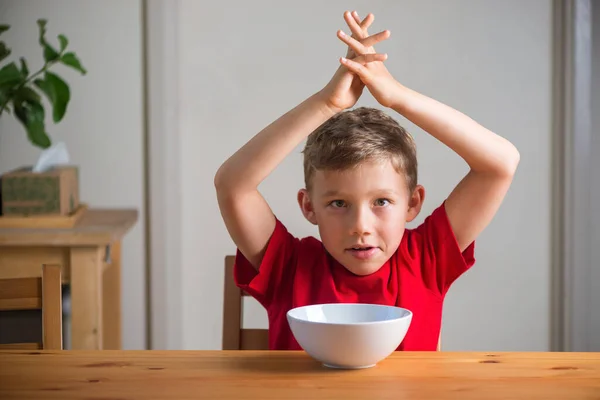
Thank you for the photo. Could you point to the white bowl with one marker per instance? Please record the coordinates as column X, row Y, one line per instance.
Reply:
column 349, row 335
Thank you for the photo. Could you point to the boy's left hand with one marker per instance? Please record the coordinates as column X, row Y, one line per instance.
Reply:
column 374, row 75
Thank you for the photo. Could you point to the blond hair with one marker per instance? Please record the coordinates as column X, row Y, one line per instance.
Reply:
column 352, row 137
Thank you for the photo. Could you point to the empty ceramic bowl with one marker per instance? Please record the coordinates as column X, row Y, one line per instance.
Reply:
column 349, row 335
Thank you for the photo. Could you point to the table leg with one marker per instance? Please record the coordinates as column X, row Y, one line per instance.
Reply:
column 86, row 298
column 111, row 299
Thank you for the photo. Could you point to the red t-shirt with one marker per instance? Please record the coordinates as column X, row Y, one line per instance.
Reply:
column 297, row 272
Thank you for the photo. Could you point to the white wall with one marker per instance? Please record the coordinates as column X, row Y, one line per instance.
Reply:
column 103, row 127
column 595, row 272
column 248, row 63
column 164, row 149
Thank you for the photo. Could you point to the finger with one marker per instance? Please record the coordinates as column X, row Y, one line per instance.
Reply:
column 352, row 43
column 356, row 17
column 357, row 68
column 376, row 38
column 357, row 32
column 366, row 23
column 367, row 58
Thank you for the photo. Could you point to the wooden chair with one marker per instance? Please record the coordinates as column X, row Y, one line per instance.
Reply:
column 37, row 293
column 234, row 336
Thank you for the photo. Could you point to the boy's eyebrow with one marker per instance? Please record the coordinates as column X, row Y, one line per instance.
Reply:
column 383, row 192
column 331, row 193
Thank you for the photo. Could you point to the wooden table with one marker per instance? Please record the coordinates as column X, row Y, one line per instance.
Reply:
column 90, row 256
column 277, row 375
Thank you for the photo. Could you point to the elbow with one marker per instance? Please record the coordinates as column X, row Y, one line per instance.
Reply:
column 226, row 184
column 512, row 159
column 221, row 181
column 218, row 179
column 506, row 165
column 502, row 165
column 222, row 187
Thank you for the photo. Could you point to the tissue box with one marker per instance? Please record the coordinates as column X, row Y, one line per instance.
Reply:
column 54, row 192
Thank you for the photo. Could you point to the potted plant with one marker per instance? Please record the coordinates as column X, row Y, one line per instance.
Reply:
column 20, row 90
column 28, row 191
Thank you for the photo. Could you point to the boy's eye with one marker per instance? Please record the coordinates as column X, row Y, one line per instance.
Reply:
column 382, row 202
column 338, row 203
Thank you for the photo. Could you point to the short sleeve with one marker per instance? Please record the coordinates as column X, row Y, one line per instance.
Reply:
column 275, row 271
column 435, row 251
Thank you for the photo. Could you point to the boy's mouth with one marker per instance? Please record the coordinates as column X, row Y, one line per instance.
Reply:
column 358, row 248
column 363, row 252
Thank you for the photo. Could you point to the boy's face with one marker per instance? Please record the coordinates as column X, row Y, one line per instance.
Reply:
column 361, row 213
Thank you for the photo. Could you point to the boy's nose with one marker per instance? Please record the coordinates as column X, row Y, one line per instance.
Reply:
column 361, row 222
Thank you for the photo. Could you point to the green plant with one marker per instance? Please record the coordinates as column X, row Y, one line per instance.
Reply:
column 18, row 87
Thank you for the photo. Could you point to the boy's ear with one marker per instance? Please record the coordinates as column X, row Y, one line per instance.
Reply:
column 415, row 203
column 306, row 206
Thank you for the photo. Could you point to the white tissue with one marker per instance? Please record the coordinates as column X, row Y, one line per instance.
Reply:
column 54, row 155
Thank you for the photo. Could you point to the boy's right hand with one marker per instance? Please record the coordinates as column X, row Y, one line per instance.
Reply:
column 345, row 88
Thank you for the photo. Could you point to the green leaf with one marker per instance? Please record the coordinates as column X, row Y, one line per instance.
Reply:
column 4, row 98
column 10, row 78
column 50, row 54
column 31, row 115
column 63, row 42
column 4, row 28
column 57, row 92
column 71, row 60
column 24, row 69
column 10, row 75
column 4, row 51
column 42, row 27
column 26, row 94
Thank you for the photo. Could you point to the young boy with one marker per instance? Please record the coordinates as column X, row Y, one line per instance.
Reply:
column 361, row 189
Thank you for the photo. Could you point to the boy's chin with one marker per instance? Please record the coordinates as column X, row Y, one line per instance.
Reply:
column 363, row 267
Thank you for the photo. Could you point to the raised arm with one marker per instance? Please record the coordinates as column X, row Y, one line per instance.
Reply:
column 247, row 216
column 493, row 160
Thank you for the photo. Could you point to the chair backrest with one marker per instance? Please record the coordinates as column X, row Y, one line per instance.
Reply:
column 36, row 293
column 235, row 337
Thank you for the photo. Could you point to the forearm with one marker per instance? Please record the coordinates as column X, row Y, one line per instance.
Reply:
column 482, row 149
column 251, row 164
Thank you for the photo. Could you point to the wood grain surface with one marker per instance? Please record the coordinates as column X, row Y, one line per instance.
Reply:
column 148, row 375
column 96, row 227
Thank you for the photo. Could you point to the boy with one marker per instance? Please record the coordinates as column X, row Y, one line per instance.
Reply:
column 361, row 188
